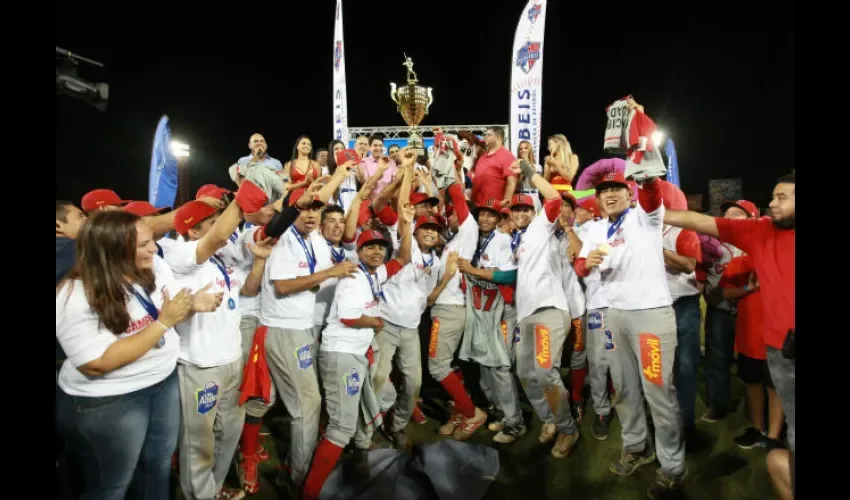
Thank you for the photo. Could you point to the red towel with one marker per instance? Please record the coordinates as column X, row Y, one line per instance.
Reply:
column 256, row 381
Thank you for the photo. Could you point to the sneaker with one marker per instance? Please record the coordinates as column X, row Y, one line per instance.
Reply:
column 577, row 411
column 449, row 427
column 751, row 438
column 565, row 444
column 400, row 441
column 469, row 425
column 496, row 426
column 601, row 425
column 712, row 416
column 417, row 415
column 547, row 433
column 629, row 462
column 509, row 434
column 226, row 493
column 249, row 477
column 361, row 463
column 667, row 487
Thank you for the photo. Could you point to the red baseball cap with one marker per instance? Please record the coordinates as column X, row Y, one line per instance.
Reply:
column 428, row 220
column 612, row 179
column 212, row 191
column 143, row 209
column 100, row 198
column 569, row 198
column 590, row 205
column 417, row 198
column 746, row 206
column 371, row 236
column 191, row 214
column 521, row 199
column 492, row 205
column 506, row 212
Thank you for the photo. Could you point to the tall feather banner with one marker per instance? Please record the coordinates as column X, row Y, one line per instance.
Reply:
column 340, row 92
column 527, row 77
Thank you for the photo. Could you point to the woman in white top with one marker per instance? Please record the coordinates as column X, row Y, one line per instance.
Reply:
column 526, row 152
column 118, row 404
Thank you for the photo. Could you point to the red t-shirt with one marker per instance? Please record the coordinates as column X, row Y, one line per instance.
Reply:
column 772, row 253
column 491, row 176
column 749, row 340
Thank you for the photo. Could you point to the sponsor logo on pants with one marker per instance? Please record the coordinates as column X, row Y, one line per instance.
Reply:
column 578, row 331
column 503, row 327
column 542, row 349
column 435, row 335
column 207, row 398
column 650, row 358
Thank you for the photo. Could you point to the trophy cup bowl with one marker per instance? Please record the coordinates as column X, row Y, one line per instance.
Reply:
column 412, row 101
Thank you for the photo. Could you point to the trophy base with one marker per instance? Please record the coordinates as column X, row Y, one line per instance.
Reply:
column 414, row 141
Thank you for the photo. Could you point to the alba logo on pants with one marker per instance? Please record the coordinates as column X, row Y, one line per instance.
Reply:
column 650, row 358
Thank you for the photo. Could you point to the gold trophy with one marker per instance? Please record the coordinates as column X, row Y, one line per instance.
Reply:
column 413, row 101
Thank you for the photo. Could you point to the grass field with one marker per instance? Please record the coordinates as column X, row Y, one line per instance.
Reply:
column 718, row 471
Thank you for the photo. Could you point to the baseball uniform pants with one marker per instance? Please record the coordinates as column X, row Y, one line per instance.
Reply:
column 502, row 392
column 255, row 408
column 783, row 373
column 576, row 340
column 538, row 360
column 399, row 344
column 289, row 355
column 447, row 326
column 343, row 373
column 642, row 355
column 211, row 425
column 510, row 331
column 598, row 352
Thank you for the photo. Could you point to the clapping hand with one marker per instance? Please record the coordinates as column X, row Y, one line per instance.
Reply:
column 175, row 310
column 205, row 301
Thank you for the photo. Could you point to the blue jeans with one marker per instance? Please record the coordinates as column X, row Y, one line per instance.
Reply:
column 687, row 357
column 719, row 354
column 123, row 438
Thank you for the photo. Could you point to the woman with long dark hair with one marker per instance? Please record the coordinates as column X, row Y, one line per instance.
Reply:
column 301, row 169
column 118, row 403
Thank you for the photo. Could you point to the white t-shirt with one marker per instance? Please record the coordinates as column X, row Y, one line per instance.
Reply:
column 239, row 260
column 570, row 281
column 353, row 298
column 593, row 282
column 464, row 244
column 539, row 268
column 84, row 339
column 288, row 261
column 407, row 292
column 208, row 339
column 680, row 284
column 632, row 274
column 325, row 295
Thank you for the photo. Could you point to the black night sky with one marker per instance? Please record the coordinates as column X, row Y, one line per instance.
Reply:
column 720, row 80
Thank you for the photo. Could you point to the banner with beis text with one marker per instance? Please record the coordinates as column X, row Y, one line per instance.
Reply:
column 527, row 78
column 340, row 93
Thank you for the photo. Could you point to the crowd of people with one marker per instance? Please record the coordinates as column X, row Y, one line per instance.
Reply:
column 308, row 282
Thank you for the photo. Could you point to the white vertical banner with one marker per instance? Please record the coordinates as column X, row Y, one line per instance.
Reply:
column 340, row 93
column 527, row 77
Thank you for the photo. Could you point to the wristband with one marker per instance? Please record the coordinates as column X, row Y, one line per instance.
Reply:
column 160, row 323
column 747, row 288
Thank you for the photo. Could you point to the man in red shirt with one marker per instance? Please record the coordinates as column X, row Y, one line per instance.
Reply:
column 494, row 178
column 770, row 243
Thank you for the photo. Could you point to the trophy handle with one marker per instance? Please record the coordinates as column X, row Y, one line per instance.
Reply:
column 430, row 99
column 393, row 92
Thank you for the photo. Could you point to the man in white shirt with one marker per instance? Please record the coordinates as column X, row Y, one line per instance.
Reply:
column 627, row 252
column 210, row 359
column 344, row 355
column 542, row 311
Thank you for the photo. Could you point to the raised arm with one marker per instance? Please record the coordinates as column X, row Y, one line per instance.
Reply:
column 219, row 234
column 405, row 250
column 692, row 220
column 354, row 210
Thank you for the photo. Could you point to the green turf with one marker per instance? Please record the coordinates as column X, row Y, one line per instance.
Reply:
column 720, row 471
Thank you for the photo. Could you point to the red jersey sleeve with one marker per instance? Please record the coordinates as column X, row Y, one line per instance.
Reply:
column 743, row 233
column 459, row 202
column 580, row 266
column 741, row 264
column 507, row 160
column 552, row 208
column 393, row 267
column 687, row 244
column 650, row 196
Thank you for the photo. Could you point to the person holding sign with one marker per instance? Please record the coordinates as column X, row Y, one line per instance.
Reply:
column 118, row 405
